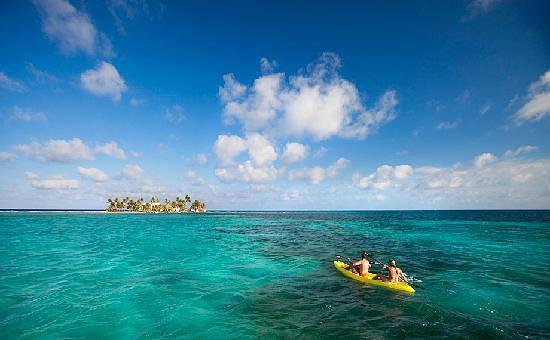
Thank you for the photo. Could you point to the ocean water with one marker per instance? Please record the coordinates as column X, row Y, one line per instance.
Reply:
column 270, row 274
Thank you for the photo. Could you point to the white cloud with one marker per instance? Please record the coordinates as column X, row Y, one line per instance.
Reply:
column 94, row 174
column 201, row 159
column 153, row 189
column 11, row 84
column 72, row 29
column 111, row 149
column 260, row 149
column 104, row 80
column 497, row 183
column 316, row 175
column 57, row 150
column 538, row 101
column 257, row 174
column 132, row 171
column 267, row 66
column 176, row 114
column 294, row 152
column 247, row 172
column 193, row 177
column 231, row 89
column 7, row 156
column 384, row 177
column 227, row 147
column 224, row 175
column 319, row 103
column 27, row 115
column 449, row 125
column 520, row 151
column 536, row 109
column 484, row 159
column 259, row 107
column 53, row 183
column 136, row 154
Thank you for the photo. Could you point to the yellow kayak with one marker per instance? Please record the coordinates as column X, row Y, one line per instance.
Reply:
column 401, row 286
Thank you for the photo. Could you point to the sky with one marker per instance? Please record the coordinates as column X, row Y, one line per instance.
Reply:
column 274, row 105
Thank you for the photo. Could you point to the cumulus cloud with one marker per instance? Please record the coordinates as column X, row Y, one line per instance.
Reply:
column 490, row 181
column 132, row 171
column 72, row 29
column 27, row 115
column 317, row 102
column 111, row 149
column 53, row 183
column 231, row 89
column 57, row 150
column 267, row 66
column 94, row 174
column 7, row 156
column 259, row 168
column 260, row 149
column 316, row 175
column 259, row 107
column 8, row 83
column 384, row 177
column 484, row 159
column 294, row 152
column 537, row 106
column 247, row 172
column 103, row 80
column 227, row 147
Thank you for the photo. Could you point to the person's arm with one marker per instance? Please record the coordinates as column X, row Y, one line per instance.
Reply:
column 403, row 277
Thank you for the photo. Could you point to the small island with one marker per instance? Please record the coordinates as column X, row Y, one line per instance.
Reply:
column 154, row 205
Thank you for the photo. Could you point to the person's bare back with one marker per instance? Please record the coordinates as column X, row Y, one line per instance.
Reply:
column 362, row 266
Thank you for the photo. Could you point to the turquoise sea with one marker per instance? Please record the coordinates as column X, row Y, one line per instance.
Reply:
column 270, row 274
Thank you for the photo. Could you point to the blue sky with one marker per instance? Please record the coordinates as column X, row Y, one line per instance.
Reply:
column 274, row 105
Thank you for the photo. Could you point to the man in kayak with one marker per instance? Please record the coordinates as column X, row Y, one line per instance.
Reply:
column 362, row 266
column 394, row 273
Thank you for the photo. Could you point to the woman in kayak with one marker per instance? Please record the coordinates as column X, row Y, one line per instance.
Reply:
column 394, row 273
column 362, row 266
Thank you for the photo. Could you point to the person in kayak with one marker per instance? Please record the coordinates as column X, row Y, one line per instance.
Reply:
column 394, row 273
column 362, row 266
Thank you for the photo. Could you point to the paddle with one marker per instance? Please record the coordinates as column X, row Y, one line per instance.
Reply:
column 342, row 258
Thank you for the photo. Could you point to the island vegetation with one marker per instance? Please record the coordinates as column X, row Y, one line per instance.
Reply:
column 155, row 205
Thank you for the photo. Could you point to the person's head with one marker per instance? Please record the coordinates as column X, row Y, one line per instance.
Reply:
column 392, row 263
column 364, row 254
